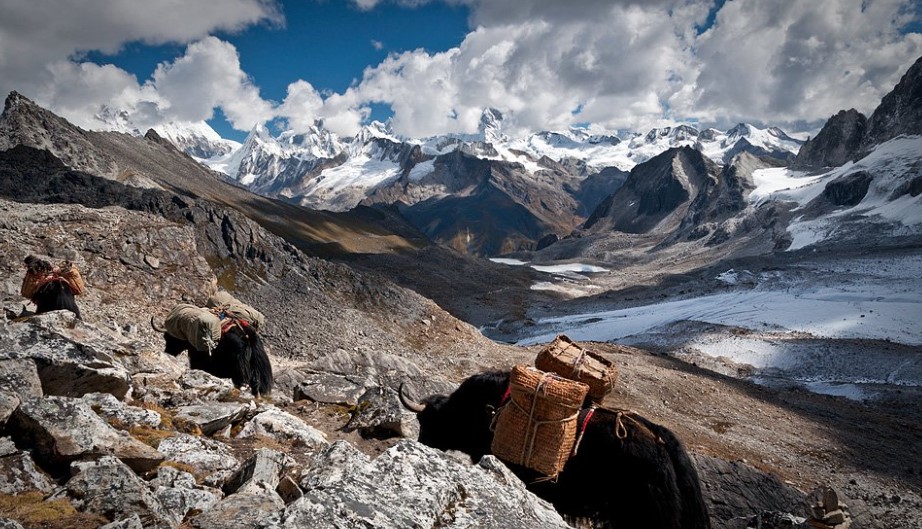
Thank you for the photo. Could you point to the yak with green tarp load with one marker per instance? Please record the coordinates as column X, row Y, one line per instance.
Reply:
column 221, row 338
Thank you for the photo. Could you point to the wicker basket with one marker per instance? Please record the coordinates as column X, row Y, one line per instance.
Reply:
column 569, row 360
column 31, row 283
column 69, row 272
column 537, row 427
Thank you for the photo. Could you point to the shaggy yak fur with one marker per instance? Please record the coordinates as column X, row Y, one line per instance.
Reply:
column 53, row 295
column 239, row 355
column 644, row 480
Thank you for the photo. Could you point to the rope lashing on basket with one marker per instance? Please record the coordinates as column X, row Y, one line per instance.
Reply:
column 529, row 448
column 577, row 367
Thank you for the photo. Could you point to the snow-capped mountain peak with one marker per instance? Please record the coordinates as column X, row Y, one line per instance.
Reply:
column 490, row 128
column 197, row 139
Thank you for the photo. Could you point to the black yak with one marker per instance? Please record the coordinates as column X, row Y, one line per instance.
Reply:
column 47, row 288
column 239, row 354
column 626, row 471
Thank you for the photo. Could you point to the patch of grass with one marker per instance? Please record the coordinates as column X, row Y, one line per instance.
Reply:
column 149, row 436
column 182, row 466
column 166, row 416
column 260, row 441
column 33, row 512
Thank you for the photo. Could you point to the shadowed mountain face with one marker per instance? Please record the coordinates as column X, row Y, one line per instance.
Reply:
column 899, row 112
column 848, row 135
column 656, row 194
column 488, row 207
column 836, row 143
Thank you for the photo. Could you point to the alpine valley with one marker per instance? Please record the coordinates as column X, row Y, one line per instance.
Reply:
column 760, row 293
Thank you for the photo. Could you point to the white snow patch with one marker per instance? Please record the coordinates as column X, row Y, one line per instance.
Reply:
column 571, row 267
column 360, row 172
column 883, row 309
column 421, row 170
column 507, row 261
column 891, row 165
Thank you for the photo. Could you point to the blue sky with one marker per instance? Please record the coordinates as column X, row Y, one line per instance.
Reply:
column 434, row 66
column 327, row 43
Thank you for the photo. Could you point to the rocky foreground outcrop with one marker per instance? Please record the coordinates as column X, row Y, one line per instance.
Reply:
column 98, row 427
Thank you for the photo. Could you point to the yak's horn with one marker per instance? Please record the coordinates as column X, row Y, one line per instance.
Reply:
column 409, row 404
column 154, row 325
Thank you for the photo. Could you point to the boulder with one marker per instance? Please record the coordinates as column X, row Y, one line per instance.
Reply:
column 179, row 494
column 114, row 410
column 63, row 430
column 412, row 485
column 283, row 426
column 379, row 414
column 329, row 389
column 20, row 376
column 263, row 469
column 213, row 461
column 71, row 357
column 92, row 489
column 211, row 417
column 240, row 511
column 18, row 474
column 132, row 522
column 8, row 403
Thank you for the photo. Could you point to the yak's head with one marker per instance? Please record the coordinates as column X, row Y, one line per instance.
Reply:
column 461, row 421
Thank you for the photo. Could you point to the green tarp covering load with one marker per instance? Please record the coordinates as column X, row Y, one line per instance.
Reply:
column 196, row 325
column 235, row 308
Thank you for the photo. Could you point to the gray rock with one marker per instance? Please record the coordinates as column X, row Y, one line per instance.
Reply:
column 412, row 485
column 7, row 447
column 6, row 523
column 330, row 389
column 265, row 468
column 213, row 461
column 277, row 424
column 379, row 414
column 367, row 369
column 20, row 376
column 132, row 522
column 109, row 407
column 211, row 417
column 187, row 388
column 8, row 403
column 179, row 494
column 289, row 490
column 243, row 511
column 93, row 489
column 63, row 430
column 71, row 357
column 18, row 474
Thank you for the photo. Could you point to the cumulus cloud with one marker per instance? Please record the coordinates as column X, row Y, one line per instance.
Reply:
column 634, row 64
column 617, row 66
column 545, row 64
column 209, row 76
column 784, row 61
column 41, row 42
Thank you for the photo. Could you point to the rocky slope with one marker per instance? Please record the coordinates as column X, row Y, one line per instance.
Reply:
column 836, row 143
column 94, row 406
